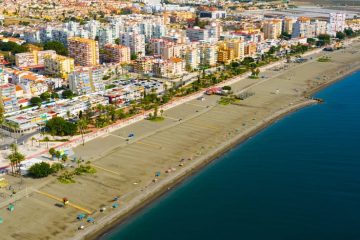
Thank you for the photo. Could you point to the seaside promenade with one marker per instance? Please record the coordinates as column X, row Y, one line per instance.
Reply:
column 193, row 133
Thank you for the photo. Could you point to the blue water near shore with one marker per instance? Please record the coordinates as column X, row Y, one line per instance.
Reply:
column 298, row 179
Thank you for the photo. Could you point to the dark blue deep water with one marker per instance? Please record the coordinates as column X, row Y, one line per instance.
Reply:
column 298, row 179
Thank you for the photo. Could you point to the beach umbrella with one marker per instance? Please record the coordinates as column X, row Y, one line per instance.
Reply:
column 157, row 174
column 11, row 207
column 115, row 205
column 80, row 216
column 90, row 220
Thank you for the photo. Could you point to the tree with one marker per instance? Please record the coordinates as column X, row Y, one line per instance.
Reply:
column 59, row 126
column 133, row 56
column 47, row 139
column 36, row 101
column 45, row 96
column 349, row 32
column 32, row 141
column 117, row 41
column 324, row 39
column 2, row 111
column 52, row 152
column 58, row 154
column 57, row 46
column 68, row 94
column 82, row 125
column 54, row 95
column 285, row 36
column 311, row 41
column 15, row 158
column 64, row 158
column 340, row 35
column 40, row 170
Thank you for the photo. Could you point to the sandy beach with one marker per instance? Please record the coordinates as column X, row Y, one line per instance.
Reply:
column 192, row 135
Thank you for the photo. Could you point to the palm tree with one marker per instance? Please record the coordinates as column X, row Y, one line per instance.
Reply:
column 47, row 139
column 111, row 111
column 32, row 141
column 82, row 125
column 15, row 158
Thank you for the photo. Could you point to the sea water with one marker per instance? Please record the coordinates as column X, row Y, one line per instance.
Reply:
column 297, row 179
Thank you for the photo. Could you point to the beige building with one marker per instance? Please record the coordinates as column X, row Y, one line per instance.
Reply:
column 59, row 66
column 288, row 25
column 84, row 51
column 272, row 29
column 117, row 53
column 34, row 58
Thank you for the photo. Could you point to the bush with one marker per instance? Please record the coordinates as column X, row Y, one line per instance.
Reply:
column 82, row 169
column 57, row 167
column 66, row 178
column 228, row 88
column 40, row 170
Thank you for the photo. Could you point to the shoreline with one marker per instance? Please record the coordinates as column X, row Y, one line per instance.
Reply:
column 118, row 218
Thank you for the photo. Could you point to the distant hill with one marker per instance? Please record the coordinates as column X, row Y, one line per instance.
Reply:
column 330, row 2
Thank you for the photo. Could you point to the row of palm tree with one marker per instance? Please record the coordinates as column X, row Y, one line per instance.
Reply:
column 15, row 158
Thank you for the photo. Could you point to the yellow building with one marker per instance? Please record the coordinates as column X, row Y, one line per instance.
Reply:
column 84, row 51
column 59, row 65
column 230, row 49
column 272, row 29
column 225, row 54
column 288, row 25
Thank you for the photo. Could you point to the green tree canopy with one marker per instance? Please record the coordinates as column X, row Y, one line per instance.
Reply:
column 36, row 101
column 40, row 170
column 60, row 127
column 340, row 35
column 45, row 96
column 68, row 94
column 57, row 46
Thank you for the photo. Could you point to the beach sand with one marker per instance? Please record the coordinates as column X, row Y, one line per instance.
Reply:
column 192, row 134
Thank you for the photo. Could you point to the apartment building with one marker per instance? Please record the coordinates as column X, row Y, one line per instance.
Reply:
column 135, row 41
column 84, row 51
column 272, row 28
column 208, row 54
column 116, row 53
column 8, row 97
column 31, row 59
column 59, row 66
column 144, row 65
column 250, row 49
column 197, row 34
column 337, row 23
column 172, row 67
column 86, row 80
column 288, row 25
column 192, row 58
column 303, row 28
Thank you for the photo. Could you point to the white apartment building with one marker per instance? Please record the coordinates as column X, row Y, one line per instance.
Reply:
column 336, row 23
column 197, row 34
column 135, row 41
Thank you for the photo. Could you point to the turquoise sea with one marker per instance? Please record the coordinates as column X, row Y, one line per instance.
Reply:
column 297, row 179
